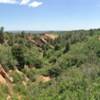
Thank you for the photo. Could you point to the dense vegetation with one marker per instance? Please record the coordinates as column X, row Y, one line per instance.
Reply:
column 72, row 62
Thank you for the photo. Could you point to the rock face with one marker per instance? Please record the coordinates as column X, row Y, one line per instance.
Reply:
column 48, row 36
column 4, row 78
column 43, row 39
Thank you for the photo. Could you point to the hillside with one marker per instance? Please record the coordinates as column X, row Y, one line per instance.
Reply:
column 50, row 66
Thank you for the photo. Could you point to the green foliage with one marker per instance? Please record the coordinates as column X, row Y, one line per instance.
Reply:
column 3, row 92
column 67, row 47
column 72, row 66
column 20, row 88
column 33, row 57
column 30, row 74
column 18, row 54
column 6, row 57
column 17, row 78
column 54, row 72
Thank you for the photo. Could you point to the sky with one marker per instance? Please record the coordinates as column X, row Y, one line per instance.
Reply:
column 49, row 14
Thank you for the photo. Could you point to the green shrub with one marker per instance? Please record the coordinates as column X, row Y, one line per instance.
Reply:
column 18, row 54
column 6, row 57
column 3, row 92
column 54, row 72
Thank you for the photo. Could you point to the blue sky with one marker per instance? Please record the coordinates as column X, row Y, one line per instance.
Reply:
column 49, row 14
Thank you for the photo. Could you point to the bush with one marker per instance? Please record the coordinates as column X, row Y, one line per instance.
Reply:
column 3, row 92
column 67, row 47
column 6, row 57
column 33, row 58
column 54, row 72
column 18, row 54
column 17, row 77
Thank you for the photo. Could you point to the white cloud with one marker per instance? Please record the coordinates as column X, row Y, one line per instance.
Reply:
column 28, row 3
column 8, row 1
column 35, row 4
column 24, row 2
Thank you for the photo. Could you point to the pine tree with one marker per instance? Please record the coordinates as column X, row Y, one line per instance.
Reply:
column 1, row 35
column 67, row 47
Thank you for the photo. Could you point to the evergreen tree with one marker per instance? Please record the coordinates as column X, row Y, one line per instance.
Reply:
column 67, row 47
column 1, row 35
